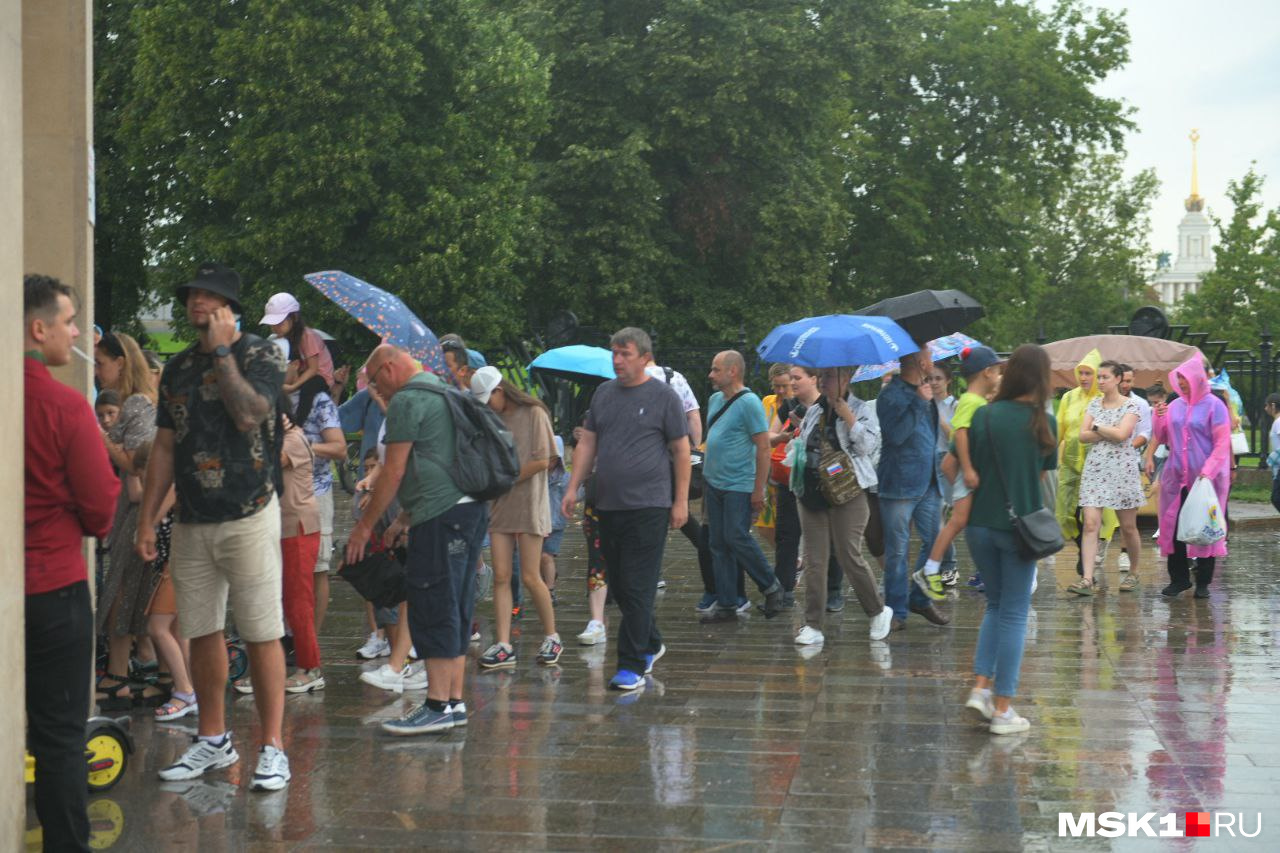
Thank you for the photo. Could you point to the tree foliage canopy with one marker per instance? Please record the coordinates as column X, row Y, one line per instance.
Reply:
column 691, row 166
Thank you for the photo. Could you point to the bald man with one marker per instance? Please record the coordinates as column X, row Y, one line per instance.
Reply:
column 735, row 471
column 446, row 529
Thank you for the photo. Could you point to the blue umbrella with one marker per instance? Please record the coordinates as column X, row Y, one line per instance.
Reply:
column 579, row 363
column 837, row 340
column 939, row 349
column 383, row 314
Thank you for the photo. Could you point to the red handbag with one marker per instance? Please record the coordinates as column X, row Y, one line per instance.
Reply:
column 779, row 474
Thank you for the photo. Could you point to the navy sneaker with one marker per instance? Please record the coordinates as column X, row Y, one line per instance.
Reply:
column 975, row 583
column 420, row 721
column 650, row 660
column 707, row 603
column 626, row 680
column 498, row 656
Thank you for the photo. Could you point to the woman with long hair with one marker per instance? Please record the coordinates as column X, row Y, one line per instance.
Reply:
column 1196, row 427
column 312, row 371
column 521, row 518
column 1013, row 442
column 837, row 433
column 127, row 585
column 1111, row 478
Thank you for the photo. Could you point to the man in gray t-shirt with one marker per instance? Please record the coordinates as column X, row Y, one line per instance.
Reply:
column 637, row 438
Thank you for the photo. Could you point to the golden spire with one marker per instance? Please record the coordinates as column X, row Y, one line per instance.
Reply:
column 1194, row 202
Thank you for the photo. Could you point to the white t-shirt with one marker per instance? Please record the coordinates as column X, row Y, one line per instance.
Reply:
column 1275, row 435
column 678, row 383
column 1144, row 426
column 946, row 411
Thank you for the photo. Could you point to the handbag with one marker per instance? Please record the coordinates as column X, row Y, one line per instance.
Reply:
column 836, row 477
column 698, row 456
column 379, row 578
column 1037, row 533
column 1239, row 444
column 779, row 470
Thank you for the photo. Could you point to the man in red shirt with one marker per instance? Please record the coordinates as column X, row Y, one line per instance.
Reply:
column 70, row 493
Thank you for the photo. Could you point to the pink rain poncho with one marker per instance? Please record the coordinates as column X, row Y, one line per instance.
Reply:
column 1197, row 430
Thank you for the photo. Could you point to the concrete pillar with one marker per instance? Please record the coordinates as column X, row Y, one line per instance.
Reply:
column 57, row 87
column 12, row 713
column 46, row 64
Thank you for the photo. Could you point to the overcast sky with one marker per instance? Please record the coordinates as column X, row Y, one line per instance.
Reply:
column 1210, row 65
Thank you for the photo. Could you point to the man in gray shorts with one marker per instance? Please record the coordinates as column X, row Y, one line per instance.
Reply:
column 216, row 442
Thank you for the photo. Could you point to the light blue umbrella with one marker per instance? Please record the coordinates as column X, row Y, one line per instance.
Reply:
column 837, row 340
column 939, row 349
column 579, row 363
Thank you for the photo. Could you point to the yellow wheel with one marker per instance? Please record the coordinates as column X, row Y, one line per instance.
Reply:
column 106, row 756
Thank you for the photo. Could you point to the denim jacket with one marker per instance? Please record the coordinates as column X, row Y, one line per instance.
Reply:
column 909, row 437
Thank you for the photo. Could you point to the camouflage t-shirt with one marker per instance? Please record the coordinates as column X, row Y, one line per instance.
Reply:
column 221, row 473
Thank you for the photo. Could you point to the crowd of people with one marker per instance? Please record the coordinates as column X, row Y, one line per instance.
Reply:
column 211, row 482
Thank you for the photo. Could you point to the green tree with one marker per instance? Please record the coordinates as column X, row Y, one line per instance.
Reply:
column 966, row 120
column 119, row 250
column 1238, row 299
column 389, row 139
column 687, row 169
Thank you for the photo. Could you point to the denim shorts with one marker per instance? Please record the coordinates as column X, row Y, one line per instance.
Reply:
column 959, row 491
column 551, row 542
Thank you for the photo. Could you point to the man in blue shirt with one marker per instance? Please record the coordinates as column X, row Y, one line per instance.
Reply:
column 909, row 483
column 735, row 470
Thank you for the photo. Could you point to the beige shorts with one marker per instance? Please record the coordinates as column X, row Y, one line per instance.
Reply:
column 325, row 505
column 240, row 558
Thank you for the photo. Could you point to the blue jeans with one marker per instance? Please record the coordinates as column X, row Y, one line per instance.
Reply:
column 1008, row 588
column 732, row 545
column 897, row 516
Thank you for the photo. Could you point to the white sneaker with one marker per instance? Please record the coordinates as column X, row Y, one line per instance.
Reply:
column 809, row 636
column 414, row 676
column 980, row 701
column 1009, row 723
column 413, row 653
column 198, row 758
column 880, row 624
column 1035, row 578
column 272, row 772
column 385, row 677
column 375, row 647
column 1124, row 561
column 593, row 634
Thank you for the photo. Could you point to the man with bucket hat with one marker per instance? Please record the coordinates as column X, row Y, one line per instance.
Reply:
column 217, row 441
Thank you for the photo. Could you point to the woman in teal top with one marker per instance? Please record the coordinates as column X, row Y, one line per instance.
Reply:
column 1017, row 425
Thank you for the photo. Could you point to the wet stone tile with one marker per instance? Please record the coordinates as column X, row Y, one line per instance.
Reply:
column 741, row 742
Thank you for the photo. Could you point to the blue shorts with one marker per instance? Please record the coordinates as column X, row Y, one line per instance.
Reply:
column 551, row 543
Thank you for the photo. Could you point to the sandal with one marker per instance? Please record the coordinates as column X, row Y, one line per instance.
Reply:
column 1129, row 584
column 177, row 707
column 1084, row 586
column 109, row 696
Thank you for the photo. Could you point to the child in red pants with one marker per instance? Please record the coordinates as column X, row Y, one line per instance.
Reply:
column 299, row 547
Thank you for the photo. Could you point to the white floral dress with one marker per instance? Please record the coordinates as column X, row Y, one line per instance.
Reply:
column 1111, row 476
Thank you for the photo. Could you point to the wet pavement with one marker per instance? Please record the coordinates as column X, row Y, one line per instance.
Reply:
column 1137, row 704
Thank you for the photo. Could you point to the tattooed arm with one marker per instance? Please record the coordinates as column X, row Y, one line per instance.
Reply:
column 247, row 407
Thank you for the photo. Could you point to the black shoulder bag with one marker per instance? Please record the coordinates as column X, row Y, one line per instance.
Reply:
column 696, row 456
column 1038, row 533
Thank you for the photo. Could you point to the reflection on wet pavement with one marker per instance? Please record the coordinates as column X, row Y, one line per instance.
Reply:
column 1137, row 704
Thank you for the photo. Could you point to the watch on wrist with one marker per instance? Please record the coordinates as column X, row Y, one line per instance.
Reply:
column 221, row 351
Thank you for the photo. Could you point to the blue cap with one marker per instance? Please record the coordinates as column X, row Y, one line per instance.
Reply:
column 977, row 359
column 475, row 360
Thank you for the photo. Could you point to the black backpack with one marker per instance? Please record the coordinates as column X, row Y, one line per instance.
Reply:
column 485, row 464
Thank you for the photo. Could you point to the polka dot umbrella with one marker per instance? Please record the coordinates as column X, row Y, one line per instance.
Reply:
column 383, row 314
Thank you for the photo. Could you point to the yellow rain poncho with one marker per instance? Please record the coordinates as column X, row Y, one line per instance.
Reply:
column 1072, row 453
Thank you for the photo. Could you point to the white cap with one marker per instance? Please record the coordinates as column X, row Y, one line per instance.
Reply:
column 279, row 307
column 483, row 381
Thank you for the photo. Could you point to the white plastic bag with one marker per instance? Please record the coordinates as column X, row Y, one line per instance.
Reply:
column 1200, row 522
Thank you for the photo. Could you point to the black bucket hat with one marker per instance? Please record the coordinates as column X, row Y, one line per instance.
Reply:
column 215, row 278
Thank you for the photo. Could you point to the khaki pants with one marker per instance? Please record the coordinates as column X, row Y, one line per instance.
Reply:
column 841, row 527
column 240, row 558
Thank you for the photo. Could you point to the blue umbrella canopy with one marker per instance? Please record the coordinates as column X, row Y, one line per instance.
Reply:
column 383, row 314
column 837, row 340
column 578, row 362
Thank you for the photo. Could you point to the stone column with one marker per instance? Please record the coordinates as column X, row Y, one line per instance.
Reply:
column 12, row 713
column 47, row 55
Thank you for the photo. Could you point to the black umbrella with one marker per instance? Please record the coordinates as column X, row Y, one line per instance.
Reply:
column 929, row 314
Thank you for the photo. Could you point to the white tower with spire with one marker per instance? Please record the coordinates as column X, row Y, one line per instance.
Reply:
column 1195, row 254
